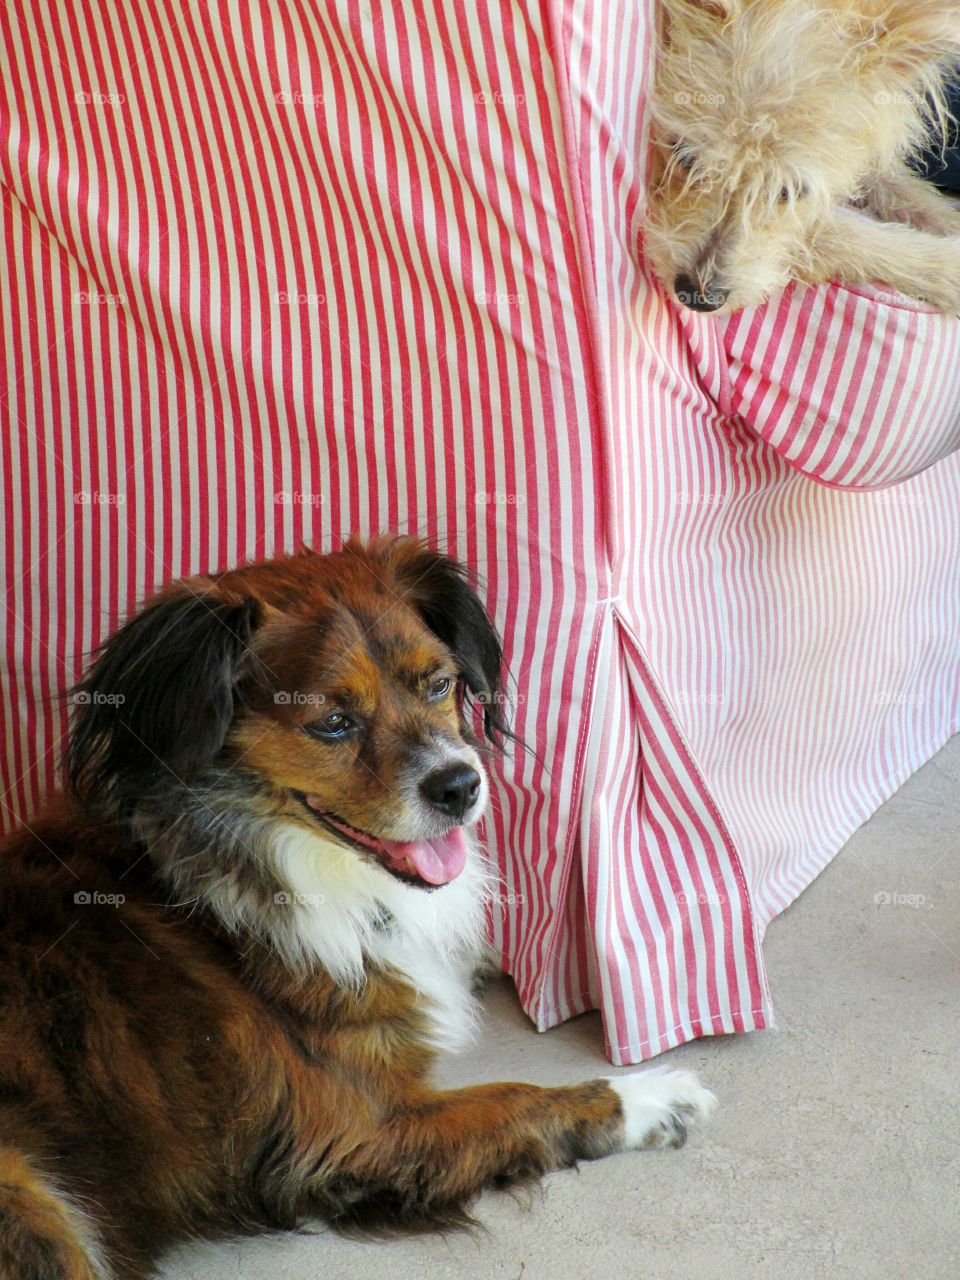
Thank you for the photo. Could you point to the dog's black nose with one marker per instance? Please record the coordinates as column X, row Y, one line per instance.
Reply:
column 698, row 298
column 453, row 789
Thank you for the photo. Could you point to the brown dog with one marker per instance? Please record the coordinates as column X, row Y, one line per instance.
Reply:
column 229, row 952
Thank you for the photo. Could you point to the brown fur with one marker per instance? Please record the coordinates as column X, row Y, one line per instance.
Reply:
column 179, row 1087
column 164, row 1075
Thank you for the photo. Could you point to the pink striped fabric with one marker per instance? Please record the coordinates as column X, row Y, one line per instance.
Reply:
column 290, row 269
column 854, row 387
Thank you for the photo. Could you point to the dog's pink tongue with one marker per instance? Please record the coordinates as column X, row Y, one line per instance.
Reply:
column 437, row 861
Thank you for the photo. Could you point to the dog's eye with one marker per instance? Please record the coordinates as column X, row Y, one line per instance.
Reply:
column 331, row 728
column 798, row 193
column 438, row 688
column 683, row 155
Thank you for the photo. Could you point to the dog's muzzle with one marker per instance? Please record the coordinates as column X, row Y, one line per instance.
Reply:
column 452, row 790
column 698, row 297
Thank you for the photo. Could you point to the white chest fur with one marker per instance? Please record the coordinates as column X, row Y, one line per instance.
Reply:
column 345, row 913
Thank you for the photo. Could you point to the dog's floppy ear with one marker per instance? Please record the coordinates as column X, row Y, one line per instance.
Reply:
column 158, row 702
column 440, row 591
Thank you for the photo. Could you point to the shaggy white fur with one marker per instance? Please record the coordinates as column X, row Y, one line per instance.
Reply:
column 346, row 912
column 659, row 1105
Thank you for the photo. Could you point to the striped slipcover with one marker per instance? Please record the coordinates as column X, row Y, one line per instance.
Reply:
column 283, row 269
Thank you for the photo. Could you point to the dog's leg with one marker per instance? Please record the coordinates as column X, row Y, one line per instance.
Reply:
column 856, row 250
column 43, row 1234
column 427, row 1162
column 486, row 970
column 902, row 196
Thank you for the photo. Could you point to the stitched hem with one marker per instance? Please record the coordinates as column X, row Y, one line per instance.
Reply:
column 727, row 1022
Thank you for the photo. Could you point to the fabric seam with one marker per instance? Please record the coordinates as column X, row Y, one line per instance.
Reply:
column 560, row 57
column 698, row 777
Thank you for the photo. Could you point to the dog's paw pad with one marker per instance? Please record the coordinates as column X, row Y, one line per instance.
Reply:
column 660, row 1106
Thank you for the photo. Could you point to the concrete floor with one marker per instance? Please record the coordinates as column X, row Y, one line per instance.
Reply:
column 834, row 1152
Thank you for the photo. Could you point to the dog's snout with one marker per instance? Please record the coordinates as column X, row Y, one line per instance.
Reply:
column 697, row 296
column 452, row 790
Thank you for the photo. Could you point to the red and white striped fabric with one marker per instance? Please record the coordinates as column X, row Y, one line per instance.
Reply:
column 888, row 413
column 288, row 269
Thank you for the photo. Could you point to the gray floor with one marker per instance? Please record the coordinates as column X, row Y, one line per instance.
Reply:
column 835, row 1152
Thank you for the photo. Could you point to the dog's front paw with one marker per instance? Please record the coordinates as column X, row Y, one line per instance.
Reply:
column 485, row 969
column 660, row 1106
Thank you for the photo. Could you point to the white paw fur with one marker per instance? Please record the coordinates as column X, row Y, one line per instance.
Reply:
column 660, row 1105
